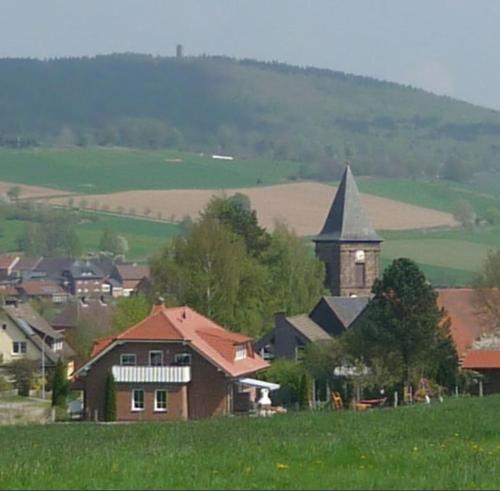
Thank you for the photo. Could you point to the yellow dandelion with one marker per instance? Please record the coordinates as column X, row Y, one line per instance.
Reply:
column 363, row 456
column 281, row 466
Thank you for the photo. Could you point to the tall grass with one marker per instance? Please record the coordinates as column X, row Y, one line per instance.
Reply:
column 454, row 445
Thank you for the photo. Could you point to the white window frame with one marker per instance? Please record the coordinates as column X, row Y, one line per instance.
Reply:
column 20, row 351
column 179, row 355
column 161, row 409
column 128, row 364
column 132, row 402
column 155, row 351
column 240, row 352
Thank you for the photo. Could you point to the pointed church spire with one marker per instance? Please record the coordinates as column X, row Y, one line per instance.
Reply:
column 347, row 220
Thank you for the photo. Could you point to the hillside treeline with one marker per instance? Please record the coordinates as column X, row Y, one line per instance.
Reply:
column 246, row 108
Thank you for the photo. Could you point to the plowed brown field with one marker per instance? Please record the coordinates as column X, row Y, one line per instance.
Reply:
column 302, row 205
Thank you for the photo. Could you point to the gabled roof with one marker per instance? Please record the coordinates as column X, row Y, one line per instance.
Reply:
column 85, row 269
column 347, row 220
column 481, row 359
column 40, row 288
column 25, row 313
column 7, row 261
column 308, row 328
column 28, row 263
column 93, row 310
column 185, row 324
column 347, row 309
column 53, row 267
column 132, row 271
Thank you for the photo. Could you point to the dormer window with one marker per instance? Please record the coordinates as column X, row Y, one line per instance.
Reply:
column 240, row 352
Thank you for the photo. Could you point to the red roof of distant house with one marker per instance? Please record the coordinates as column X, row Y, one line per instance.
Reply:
column 481, row 359
column 7, row 261
column 205, row 336
column 466, row 325
column 132, row 271
column 8, row 291
column 36, row 288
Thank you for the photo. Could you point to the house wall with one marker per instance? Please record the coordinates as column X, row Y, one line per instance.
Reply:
column 286, row 338
column 206, row 395
column 340, row 262
column 12, row 333
column 491, row 381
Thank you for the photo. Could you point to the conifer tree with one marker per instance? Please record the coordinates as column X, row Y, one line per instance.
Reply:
column 59, row 385
column 110, row 399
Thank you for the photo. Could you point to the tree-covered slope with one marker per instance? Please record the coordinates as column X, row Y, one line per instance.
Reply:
column 246, row 108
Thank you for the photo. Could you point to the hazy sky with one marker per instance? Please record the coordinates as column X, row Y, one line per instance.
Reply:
column 446, row 46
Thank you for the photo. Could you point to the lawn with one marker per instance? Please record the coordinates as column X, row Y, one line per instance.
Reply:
column 104, row 170
column 454, row 445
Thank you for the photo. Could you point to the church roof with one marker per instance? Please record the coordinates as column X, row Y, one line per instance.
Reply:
column 347, row 220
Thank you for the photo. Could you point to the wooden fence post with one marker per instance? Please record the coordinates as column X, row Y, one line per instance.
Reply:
column 396, row 399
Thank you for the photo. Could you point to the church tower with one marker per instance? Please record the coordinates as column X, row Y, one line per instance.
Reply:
column 348, row 245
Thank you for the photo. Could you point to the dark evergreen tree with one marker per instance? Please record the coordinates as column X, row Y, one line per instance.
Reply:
column 405, row 327
column 110, row 398
column 304, row 392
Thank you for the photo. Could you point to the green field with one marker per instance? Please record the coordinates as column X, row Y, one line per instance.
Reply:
column 438, row 195
column 104, row 170
column 447, row 257
column 144, row 237
column 454, row 445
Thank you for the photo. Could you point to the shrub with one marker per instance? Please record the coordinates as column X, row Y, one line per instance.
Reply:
column 23, row 372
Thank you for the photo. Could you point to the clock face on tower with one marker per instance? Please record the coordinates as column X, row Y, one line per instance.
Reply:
column 360, row 256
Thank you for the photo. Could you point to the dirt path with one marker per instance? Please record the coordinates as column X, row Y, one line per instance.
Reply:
column 30, row 192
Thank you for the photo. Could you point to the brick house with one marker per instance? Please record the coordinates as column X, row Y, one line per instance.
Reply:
column 175, row 364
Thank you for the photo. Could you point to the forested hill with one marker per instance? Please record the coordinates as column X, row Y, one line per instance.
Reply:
column 246, row 108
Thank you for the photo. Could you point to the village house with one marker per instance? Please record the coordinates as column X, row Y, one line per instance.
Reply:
column 175, row 364
column 126, row 277
column 84, row 311
column 43, row 290
column 85, row 279
column 24, row 334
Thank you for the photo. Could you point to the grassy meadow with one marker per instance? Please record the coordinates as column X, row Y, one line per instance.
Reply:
column 454, row 445
column 145, row 237
column 105, row 170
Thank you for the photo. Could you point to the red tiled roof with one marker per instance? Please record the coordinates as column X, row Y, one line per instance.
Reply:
column 40, row 287
column 478, row 359
column 132, row 271
column 100, row 345
column 130, row 284
column 6, row 261
column 184, row 324
column 466, row 326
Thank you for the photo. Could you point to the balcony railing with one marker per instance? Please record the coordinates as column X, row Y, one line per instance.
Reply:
column 160, row 374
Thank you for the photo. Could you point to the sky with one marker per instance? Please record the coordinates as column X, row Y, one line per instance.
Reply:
column 449, row 47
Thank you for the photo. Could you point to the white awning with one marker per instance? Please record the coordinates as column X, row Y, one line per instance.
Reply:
column 261, row 384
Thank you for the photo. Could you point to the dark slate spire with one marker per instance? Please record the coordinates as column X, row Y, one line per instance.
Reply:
column 347, row 220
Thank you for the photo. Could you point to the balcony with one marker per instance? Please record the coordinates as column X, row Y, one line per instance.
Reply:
column 157, row 374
